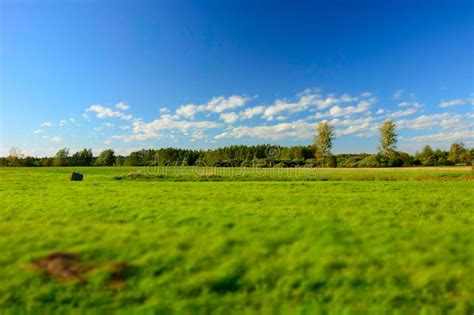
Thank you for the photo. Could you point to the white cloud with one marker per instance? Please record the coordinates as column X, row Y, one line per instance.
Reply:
column 443, row 137
column 220, row 104
column 198, row 135
column 105, row 112
column 251, row 112
column 304, row 102
column 214, row 105
column 444, row 120
column 38, row 131
column 411, row 104
column 297, row 129
column 457, row 102
column 62, row 122
column 56, row 139
column 122, row 106
column 397, row 94
column 402, row 113
column 187, row 111
column 363, row 106
column 47, row 124
column 164, row 110
column 380, row 111
column 229, row 118
column 281, row 106
column 158, row 128
column 365, row 126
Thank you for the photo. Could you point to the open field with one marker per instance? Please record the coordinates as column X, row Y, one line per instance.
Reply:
column 206, row 240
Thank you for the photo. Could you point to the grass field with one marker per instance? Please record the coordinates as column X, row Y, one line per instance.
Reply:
column 194, row 240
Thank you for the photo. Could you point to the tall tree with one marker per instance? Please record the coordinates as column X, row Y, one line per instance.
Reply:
column 388, row 138
column 106, row 158
column 426, row 156
column 458, row 153
column 325, row 135
column 82, row 158
column 61, row 158
column 15, row 157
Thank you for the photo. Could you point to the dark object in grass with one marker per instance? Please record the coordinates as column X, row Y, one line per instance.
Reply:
column 118, row 275
column 61, row 266
column 76, row 176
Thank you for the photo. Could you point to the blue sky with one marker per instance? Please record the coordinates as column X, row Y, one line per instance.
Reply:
column 203, row 74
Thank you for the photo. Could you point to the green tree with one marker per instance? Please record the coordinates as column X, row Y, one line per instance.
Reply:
column 388, row 138
column 426, row 156
column 82, row 158
column 106, row 158
column 61, row 158
column 458, row 153
column 323, row 139
column 15, row 157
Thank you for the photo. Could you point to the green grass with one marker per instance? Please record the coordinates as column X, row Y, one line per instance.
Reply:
column 364, row 240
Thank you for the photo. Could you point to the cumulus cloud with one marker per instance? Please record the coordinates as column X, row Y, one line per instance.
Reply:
column 187, row 111
column 362, row 106
column 105, row 112
column 229, row 118
column 457, row 102
column 444, row 120
column 156, row 129
column 214, row 105
column 47, row 124
column 297, row 129
column 56, row 139
column 306, row 101
column 411, row 104
column 365, row 126
column 444, row 137
column 402, row 113
column 122, row 106
column 38, row 131
column 251, row 112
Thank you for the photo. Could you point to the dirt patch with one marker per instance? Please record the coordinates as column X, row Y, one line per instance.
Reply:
column 64, row 266
column 118, row 275
column 61, row 266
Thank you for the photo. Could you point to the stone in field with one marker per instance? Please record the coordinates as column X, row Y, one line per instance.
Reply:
column 76, row 176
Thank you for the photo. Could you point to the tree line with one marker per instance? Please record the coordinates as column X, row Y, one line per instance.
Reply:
column 318, row 154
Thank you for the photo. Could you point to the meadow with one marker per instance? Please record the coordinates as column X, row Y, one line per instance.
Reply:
column 196, row 240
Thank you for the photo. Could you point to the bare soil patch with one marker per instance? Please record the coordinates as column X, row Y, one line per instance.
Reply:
column 62, row 266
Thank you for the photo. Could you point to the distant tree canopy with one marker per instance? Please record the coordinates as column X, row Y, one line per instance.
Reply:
column 316, row 155
column 62, row 158
column 106, row 158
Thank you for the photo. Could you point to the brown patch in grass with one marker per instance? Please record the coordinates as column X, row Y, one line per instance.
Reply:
column 61, row 266
column 64, row 266
column 118, row 275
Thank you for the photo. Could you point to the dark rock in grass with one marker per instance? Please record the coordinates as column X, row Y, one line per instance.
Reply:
column 76, row 176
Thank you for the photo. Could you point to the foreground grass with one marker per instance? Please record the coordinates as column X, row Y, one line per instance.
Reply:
column 284, row 246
